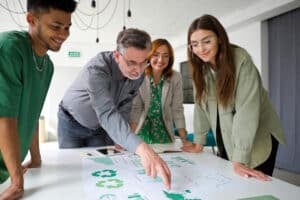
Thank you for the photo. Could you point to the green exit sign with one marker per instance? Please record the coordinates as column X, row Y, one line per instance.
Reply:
column 74, row 54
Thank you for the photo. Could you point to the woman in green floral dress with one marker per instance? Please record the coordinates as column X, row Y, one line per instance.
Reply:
column 159, row 103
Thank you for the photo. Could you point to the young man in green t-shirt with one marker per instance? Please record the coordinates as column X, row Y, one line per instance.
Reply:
column 25, row 74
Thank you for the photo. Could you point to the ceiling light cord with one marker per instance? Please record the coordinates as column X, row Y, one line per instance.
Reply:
column 124, row 18
column 83, row 18
column 129, row 11
column 97, row 39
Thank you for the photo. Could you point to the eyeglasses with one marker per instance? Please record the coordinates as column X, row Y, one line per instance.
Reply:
column 203, row 43
column 132, row 64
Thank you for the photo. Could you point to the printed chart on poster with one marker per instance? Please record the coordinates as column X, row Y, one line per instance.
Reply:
column 123, row 177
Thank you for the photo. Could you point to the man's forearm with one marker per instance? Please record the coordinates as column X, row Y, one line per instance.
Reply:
column 10, row 149
column 153, row 164
column 34, row 147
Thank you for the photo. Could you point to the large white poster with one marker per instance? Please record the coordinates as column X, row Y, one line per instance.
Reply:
column 123, row 177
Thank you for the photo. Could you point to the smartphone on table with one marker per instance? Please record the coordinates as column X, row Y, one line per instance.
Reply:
column 109, row 151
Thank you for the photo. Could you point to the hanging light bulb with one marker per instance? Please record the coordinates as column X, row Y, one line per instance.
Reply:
column 128, row 13
column 93, row 4
column 124, row 14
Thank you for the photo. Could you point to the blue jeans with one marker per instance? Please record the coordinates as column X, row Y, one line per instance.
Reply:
column 72, row 134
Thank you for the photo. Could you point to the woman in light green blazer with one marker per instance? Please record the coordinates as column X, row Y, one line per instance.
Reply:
column 231, row 100
column 159, row 103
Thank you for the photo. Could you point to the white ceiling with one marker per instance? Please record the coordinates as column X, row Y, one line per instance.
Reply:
column 160, row 18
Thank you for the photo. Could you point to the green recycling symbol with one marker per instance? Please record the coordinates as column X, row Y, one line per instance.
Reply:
column 110, row 183
column 105, row 173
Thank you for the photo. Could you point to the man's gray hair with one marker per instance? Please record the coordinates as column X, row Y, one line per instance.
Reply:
column 133, row 37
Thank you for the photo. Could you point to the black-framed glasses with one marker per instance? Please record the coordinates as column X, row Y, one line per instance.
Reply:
column 132, row 64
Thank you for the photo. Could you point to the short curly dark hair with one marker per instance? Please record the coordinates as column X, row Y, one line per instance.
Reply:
column 44, row 5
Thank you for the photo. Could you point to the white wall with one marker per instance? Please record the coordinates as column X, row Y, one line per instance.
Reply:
column 249, row 38
column 62, row 78
column 87, row 51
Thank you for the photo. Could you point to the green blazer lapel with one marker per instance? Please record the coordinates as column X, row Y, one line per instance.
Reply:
column 212, row 103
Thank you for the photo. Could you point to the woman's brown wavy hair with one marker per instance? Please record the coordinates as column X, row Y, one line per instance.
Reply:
column 225, row 68
column 168, row 71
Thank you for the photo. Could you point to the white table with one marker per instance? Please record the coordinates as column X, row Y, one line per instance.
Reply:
column 60, row 177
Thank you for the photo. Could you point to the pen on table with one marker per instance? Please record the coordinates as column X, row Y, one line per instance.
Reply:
column 172, row 151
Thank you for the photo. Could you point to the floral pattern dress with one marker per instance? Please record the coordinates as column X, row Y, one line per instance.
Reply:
column 154, row 130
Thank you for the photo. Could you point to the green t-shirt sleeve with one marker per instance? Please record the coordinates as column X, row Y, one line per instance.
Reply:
column 10, row 79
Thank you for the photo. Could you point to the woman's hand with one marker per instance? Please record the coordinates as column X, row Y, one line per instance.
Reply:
column 133, row 126
column 245, row 171
column 191, row 147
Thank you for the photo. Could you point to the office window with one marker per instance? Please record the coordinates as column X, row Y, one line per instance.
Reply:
column 187, row 83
